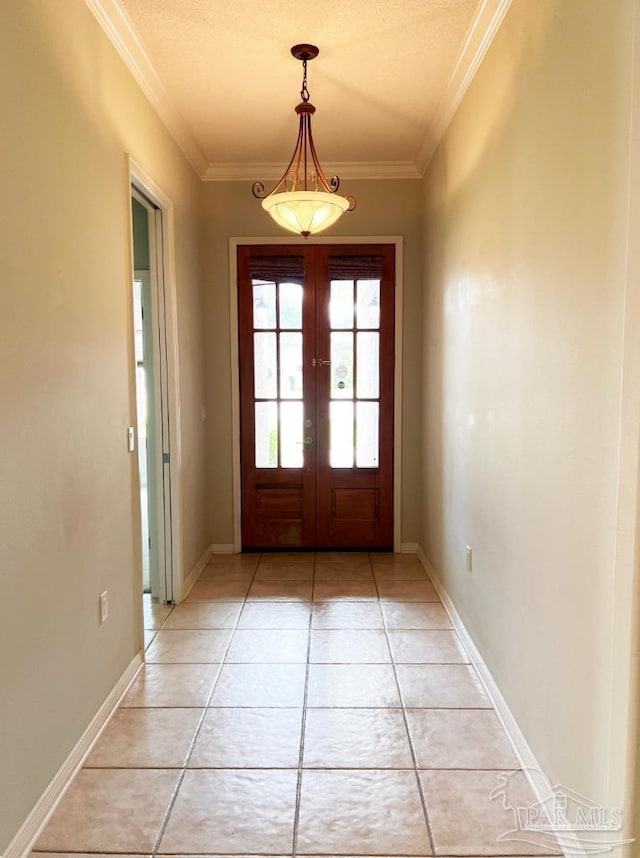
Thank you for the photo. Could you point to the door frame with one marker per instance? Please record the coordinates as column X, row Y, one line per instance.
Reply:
column 167, row 407
column 234, row 243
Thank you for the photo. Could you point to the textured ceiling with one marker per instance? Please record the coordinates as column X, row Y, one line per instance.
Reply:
column 383, row 68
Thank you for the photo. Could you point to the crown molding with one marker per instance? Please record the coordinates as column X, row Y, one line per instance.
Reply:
column 484, row 27
column 344, row 169
column 123, row 36
column 115, row 23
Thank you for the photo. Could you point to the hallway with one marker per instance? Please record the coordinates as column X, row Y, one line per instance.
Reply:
column 298, row 705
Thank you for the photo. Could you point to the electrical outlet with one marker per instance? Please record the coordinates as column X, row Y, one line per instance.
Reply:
column 469, row 558
column 104, row 606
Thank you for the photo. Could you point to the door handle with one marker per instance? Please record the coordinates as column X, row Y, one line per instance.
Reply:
column 307, row 442
column 320, row 362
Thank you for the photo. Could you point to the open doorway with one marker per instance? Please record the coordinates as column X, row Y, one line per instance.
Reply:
column 154, row 436
column 144, row 392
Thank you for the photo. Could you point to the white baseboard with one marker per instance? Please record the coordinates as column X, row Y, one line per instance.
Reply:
column 195, row 573
column 30, row 830
column 538, row 781
column 223, row 548
column 408, row 548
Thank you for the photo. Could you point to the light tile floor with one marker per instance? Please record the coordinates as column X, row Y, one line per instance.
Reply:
column 299, row 705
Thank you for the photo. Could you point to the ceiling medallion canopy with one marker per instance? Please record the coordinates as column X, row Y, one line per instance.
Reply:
column 304, row 201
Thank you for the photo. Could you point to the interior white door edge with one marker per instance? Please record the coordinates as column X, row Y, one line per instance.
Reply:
column 166, row 387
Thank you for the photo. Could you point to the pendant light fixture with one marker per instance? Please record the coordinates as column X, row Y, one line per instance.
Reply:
column 304, row 200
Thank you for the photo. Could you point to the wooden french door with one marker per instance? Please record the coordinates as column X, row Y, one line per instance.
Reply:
column 316, row 338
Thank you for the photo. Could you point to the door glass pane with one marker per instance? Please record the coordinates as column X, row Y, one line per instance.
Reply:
column 341, row 304
column 367, row 435
column 291, row 366
column 291, row 453
column 266, row 434
column 341, row 365
column 264, row 305
column 264, row 366
column 368, row 365
column 368, row 306
column 290, row 295
column 341, row 434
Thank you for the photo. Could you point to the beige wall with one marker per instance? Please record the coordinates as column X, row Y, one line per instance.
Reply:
column 69, row 525
column 527, row 284
column 384, row 208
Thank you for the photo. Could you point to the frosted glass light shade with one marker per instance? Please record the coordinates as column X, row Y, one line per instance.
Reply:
column 305, row 212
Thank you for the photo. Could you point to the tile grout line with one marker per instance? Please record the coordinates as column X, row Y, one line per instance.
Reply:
column 296, row 816
column 423, row 801
column 184, row 768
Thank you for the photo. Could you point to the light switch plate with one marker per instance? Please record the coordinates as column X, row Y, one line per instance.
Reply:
column 131, row 438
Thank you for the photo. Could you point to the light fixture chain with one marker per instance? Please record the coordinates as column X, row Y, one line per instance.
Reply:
column 304, row 92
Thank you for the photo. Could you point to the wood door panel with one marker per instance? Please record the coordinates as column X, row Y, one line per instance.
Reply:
column 279, row 504
column 274, row 506
column 355, row 504
column 359, row 515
